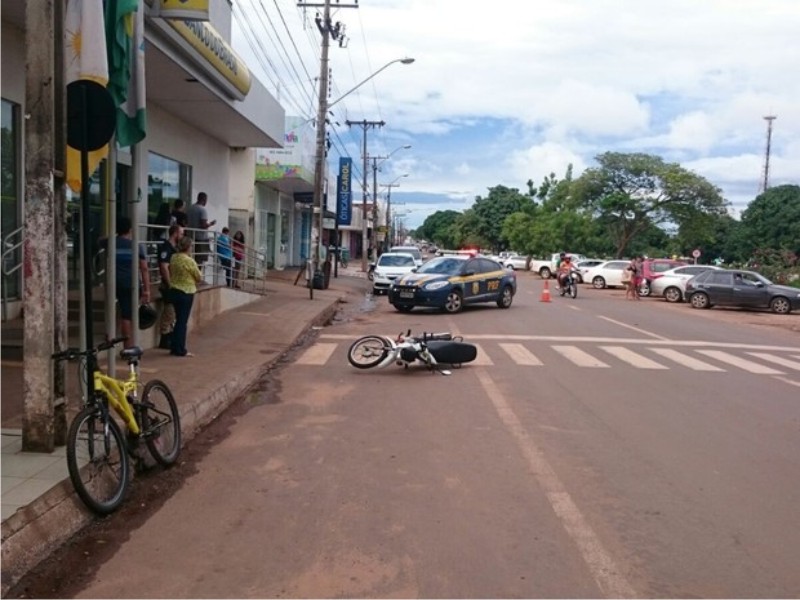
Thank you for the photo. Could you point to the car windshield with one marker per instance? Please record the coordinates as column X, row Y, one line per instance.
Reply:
column 442, row 266
column 396, row 260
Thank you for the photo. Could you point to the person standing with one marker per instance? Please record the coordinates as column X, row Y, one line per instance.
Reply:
column 197, row 217
column 637, row 274
column 124, row 278
column 238, row 256
column 225, row 252
column 165, row 252
column 178, row 215
column 184, row 277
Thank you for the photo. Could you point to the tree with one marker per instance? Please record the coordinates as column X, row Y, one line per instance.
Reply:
column 772, row 220
column 440, row 228
column 631, row 192
column 483, row 222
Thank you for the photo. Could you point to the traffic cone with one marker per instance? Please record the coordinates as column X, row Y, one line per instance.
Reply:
column 545, row 292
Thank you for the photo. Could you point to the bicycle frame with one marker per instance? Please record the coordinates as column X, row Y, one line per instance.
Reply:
column 117, row 391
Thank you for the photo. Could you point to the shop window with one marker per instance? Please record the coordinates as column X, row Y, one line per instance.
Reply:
column 167, row 180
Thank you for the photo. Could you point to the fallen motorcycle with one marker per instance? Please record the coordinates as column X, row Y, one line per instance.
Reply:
column 434, row 350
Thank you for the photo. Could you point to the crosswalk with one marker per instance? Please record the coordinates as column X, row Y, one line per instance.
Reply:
column 655, row 356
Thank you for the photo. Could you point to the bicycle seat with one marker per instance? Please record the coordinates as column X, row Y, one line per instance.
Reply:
column 132, row 352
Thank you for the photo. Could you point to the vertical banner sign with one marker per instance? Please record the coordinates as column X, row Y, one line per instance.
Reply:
column 343, row 194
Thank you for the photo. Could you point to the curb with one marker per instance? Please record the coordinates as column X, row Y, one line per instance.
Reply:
column 33, row 532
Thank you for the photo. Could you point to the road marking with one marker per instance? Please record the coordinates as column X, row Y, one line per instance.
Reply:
column 687, row 361
column 789, row 381
column 579, row 357
column 743, row 364
column 521, row 355
column 631, row 327
column 601, row 565
column 784, row 362
column 482, row 358
column 632, row 358
column 317, row 354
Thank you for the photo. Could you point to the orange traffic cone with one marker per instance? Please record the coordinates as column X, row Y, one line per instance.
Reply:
column 545, row 292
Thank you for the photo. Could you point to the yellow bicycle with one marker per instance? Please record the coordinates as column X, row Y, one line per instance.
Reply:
column 98, row 454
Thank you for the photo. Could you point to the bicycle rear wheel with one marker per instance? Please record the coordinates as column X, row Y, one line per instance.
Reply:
column 161, row 424
column 97, row 460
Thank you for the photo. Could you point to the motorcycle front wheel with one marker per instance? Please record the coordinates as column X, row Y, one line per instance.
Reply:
column 369, row 351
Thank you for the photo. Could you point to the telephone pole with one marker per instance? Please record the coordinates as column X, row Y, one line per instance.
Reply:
column 365, row 125
column 765, row 183
column 328, row 30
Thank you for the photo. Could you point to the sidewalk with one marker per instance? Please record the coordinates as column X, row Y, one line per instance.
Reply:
column 39, row 507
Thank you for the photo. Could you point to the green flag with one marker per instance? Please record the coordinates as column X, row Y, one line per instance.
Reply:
column 125, row 41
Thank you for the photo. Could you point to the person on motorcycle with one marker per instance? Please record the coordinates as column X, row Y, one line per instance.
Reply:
column 564, row 269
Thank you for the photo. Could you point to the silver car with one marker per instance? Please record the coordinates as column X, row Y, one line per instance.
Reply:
column 391, row 266
column 672, row 283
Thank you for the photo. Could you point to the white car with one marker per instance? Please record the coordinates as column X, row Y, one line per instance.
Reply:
column 514, row 262
column 672, row 283
column 391, row 266
column 582, row 266
column 412, row 250
column 606, row 274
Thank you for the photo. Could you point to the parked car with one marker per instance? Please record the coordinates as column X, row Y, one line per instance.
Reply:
column 584, row 265
column 606, row 274
column 733, row 287
column 652, row 269
column 412, row 250
column 515, row 262
column 450, row 282
column 672, row 284
column 548, row 267
column 389, row 267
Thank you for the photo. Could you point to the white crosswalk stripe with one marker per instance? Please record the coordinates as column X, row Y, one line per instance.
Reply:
column 521, row 355
column 318, row 354
column 482, row 359
column 633, row 358
column 778, row 360
column 687, row 361
column 579, row 357
column 746, row 365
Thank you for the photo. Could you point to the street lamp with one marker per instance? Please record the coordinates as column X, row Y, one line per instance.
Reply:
column 389, row 227
column 405, row 61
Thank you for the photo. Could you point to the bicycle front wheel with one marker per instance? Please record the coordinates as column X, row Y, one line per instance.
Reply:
column 97, row 460
column 161, row 424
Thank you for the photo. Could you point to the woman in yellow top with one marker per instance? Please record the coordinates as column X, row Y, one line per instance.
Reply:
column 184, row 275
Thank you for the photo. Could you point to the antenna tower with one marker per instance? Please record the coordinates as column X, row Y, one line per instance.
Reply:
column 765, row 182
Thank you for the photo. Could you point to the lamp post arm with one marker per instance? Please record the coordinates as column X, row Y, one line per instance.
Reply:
column 405, row 61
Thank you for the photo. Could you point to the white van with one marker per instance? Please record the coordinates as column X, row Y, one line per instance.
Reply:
column 412, row 250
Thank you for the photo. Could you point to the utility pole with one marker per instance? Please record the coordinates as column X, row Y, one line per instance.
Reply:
column 365, row 125
column 765, row 183
column 328, row 30
column 389, row 227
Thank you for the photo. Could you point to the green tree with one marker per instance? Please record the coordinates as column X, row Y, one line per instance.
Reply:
column 630, row 193
column 483, row 222
column 440, row 228
column 772, row 220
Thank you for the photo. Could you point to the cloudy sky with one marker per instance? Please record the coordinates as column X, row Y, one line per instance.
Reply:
column 507, row 91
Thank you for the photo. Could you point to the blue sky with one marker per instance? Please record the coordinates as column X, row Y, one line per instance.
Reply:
column 506, row 92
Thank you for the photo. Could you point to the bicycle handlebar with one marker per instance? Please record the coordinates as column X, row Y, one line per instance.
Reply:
column 72, row 353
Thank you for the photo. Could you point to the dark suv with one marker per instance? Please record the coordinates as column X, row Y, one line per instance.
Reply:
column 653, row 268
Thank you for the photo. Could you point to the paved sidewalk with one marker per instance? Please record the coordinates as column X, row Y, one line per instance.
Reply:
column 39, row 507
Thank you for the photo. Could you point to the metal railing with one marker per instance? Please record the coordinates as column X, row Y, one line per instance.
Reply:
column 248, row 274
column 12, row 261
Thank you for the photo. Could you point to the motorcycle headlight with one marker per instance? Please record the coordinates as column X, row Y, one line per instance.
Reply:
column 436, row 285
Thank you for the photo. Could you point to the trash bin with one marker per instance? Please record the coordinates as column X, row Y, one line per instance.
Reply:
column 344, row 254
column 326, row 274
column 319, row 280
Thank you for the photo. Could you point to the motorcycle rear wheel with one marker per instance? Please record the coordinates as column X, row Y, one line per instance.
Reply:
column 368, row 351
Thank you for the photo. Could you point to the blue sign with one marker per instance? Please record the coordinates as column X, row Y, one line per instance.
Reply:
column 344, row 204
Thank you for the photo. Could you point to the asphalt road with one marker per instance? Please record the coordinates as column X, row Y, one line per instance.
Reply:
column 598, row 447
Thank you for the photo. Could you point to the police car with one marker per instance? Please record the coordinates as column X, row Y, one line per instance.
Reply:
column 450, row 282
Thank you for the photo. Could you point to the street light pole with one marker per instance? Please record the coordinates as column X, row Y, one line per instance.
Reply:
column 389, row 228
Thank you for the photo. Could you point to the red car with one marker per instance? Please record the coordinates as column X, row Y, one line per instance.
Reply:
column 653, row 268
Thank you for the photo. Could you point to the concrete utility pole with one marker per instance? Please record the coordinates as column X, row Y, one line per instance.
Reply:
column 364, row 241
column 38, row 425
column 328, row 30
column 389, row 228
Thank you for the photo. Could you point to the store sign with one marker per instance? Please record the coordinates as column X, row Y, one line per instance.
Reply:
column 344, row 204
column 191, row 10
